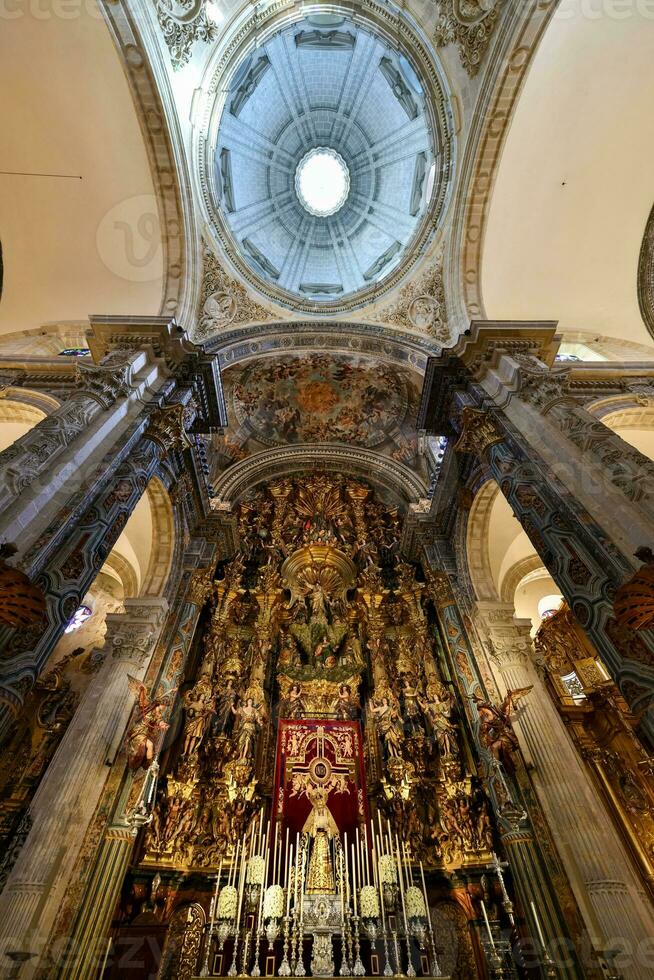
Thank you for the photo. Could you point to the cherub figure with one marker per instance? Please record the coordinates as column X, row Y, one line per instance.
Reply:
column 496, row 730
column 389, row 725
column 144, row 735
column 200, row 706
column 250, row 720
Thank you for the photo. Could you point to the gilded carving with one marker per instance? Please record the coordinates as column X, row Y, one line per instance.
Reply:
column 469, row 24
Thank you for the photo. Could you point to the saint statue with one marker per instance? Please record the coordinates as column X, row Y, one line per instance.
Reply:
column 320, row 827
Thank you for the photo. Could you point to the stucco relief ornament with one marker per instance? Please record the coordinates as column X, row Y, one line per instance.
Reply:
column 183, row 22
column 223, row 301
column 104, row 382
column 469, row 24
column 421, row 305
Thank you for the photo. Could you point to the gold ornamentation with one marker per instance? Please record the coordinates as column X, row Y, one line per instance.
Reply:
column 479, row 432
column 634, row 601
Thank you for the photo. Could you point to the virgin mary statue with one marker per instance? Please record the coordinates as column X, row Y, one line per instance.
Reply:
column 320, row 826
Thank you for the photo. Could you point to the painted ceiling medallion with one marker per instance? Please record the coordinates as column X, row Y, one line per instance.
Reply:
column 322, row 181
column 326, row 157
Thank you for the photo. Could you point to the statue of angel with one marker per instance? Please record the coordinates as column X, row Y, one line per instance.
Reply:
column 144, row 735
column 495, row 727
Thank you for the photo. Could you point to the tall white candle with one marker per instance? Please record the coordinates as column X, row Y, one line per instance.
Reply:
column 289, row 865
column 263, row 888
column 215, row 894
column 347, row 874
column 366, row 851
column 401, row 880
column 354, row 877
column 424, row 891
column 490, row 934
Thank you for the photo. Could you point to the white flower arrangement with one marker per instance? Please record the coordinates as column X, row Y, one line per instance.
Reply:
column 369, row 902
column 273, row 902
column 227, row 903
column 414, row 901
column 387, row 870
column 256, row 870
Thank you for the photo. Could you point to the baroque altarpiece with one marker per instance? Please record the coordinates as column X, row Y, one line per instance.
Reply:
column 319, row 790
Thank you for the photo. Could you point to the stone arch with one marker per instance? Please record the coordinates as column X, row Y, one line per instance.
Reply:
column 163, row 539
column 477, row 542
column 18, row 415
column 502, row 563
column 124, row 571
column 387, row 474
column 631, row 416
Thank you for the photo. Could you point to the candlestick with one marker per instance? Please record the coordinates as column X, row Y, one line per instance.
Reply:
column 354, row 877
column 490, row 934
column 437, row 971
column 366, row 852
column 215, row 894
column 274, row 849
column 287, row 866
column 347, row 875
column 407, row 936
column 381, row 834
column 256, row 972
column 288, row 882
column 297, row 862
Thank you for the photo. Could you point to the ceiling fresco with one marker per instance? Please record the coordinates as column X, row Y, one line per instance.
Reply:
column 318, row 398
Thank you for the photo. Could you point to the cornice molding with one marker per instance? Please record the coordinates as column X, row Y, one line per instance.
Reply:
column 376, row 340
column 262, row 467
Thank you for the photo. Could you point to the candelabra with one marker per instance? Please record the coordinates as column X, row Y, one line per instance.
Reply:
column 396, row 950
column 388, row 970
column 223, row 933
column 207, row 949
column 256, row 972
column 358, row 969
column 410, row 969
column 232, row 972
column 298, row 970
column 285, row 966
column 245, row 958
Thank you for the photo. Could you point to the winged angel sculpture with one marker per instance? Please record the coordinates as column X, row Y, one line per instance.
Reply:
column 148, row 727
column 496, row 729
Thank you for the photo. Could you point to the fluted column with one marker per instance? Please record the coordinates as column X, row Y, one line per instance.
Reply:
column 612, row 901
column 69, row 573
column 41, row 472
column 67, row 796
column 597, row 467
column 529, row 866
column 87, row 942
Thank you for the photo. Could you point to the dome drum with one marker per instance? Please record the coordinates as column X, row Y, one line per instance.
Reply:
column 333, row 105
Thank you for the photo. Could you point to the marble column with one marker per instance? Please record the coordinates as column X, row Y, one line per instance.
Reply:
column 613, row 903
column 69, row 573
column 87, row 943
column 66, row 799
column 597, row 467
column 68, row 451
column 527, row 862
column 583, row 556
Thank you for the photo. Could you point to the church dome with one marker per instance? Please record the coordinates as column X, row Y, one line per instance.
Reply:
column 330, row 162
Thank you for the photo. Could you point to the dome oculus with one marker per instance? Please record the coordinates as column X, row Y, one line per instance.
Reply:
column 322, row 181
column 327, row 160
